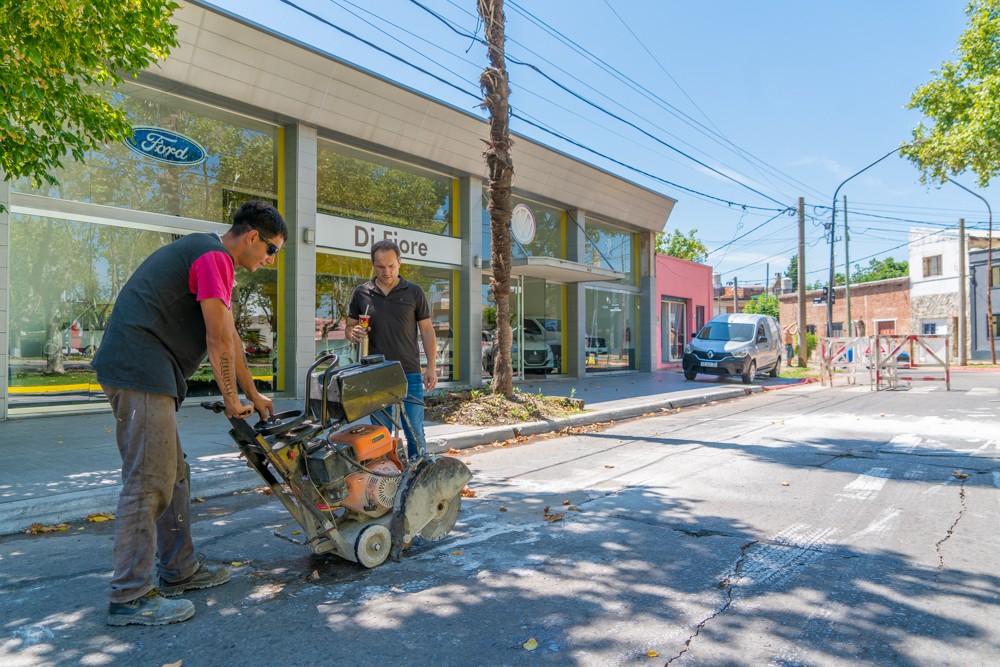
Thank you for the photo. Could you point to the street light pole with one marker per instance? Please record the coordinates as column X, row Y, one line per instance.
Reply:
column 833, row 238
column 989, row 273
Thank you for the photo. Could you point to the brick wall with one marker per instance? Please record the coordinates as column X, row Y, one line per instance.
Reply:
column 882, row 300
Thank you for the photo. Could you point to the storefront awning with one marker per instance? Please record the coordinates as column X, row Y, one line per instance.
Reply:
column 562, row 270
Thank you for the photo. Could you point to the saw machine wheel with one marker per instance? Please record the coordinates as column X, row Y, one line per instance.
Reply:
column 372, row 546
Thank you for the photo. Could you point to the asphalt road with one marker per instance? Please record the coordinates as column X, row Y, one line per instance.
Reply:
column 807, row 526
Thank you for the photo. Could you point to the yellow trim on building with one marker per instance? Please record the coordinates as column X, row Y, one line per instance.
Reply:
column 279, row 264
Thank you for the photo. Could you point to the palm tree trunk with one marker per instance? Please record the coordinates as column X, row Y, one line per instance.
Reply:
column 496, row 89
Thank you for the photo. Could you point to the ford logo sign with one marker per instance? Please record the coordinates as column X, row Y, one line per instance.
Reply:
column 165, row 146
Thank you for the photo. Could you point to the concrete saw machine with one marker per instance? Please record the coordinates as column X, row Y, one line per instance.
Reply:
column 349, row 486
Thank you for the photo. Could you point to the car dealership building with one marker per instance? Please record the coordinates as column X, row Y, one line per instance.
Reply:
column 236, row 113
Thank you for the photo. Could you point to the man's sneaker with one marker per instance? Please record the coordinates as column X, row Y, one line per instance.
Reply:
column 205, row 576
column 151, row 609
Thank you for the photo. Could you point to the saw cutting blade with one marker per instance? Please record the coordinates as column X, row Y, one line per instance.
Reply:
column 431, row 501
column 444, row 520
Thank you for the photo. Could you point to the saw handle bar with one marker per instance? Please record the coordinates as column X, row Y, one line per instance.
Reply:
column 277, row 424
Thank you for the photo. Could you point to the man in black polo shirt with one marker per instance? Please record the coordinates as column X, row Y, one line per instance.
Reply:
column 398, row 311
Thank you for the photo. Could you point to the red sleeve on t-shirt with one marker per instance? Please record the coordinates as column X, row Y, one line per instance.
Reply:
column 212, row 277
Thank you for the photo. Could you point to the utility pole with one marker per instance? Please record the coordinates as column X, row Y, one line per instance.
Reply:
column 962, row 334
column 736, row 289
column 847, row 272
column 802, row 283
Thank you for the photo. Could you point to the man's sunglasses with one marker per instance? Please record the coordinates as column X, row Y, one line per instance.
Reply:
column 271, row 248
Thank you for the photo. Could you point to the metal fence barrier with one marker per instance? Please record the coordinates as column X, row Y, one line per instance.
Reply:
column 910, row 358
column 886, row 360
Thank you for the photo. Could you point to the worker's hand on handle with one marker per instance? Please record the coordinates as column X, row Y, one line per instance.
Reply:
column 264, row 406
column 239, row 409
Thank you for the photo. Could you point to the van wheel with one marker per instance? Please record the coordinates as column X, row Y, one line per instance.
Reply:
column 751, row 372
column 776, row 371
column 690, row 375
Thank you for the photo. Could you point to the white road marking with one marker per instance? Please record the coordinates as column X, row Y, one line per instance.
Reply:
column 880, row 525
column 983, row 391
column 867, row 485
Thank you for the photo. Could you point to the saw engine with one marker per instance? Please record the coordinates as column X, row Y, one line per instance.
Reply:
column 349, row 487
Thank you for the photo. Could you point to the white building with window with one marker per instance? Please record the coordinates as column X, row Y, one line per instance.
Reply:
column 934, row 276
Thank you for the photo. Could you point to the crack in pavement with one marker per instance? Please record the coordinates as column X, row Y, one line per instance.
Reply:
column 727, row 585
column 951, row 529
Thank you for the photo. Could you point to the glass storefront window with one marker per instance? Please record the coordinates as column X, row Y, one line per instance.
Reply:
column 549, row 233
column 609, row 247
column 64, row 278
column 336, row 278
column 611, row 338
column 542, row 305
column 239, row 164
column 350, row 184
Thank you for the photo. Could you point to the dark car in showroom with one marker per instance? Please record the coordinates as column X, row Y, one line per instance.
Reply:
column 538, row 355
column 735, row 345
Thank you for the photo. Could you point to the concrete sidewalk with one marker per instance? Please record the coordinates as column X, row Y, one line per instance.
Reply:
column 62, row 468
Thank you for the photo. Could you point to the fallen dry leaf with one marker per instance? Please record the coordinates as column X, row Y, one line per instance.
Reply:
column 653, row 654
column 237, row 563
column 466, row 492
column 453, row 451
column 609, row 466
column 173, row 664
column 457, row 553
column 573, row 508
column 100, row 517
column 565, row 502
column 959, row 474
column 530, row 645
column 502, row 509
column 41, row 529
column 558, row 516
column 315, row 575
column 198, row 500
column 784, row 483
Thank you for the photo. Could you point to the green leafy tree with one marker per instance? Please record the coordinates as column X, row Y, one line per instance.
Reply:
column 793, row 271
column 763, row 305
column 54, row 58
column 961, row 105
column 880, row 269
column 676, row 244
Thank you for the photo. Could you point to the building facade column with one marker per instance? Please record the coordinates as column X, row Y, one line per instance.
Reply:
column 575, row 326
column 469, row 323
column 298, row 281
column 648, row 301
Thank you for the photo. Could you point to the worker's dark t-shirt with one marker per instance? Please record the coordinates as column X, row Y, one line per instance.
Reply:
column 155, row 339
column 393, row 327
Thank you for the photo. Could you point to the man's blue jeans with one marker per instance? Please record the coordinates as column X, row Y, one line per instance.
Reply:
column 413, row 425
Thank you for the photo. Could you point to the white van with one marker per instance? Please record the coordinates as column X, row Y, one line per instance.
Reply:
column 735, row 344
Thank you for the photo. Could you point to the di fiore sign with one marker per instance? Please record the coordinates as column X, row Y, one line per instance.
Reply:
column 359, row 236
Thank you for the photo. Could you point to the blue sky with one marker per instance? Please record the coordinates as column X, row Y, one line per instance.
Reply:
column 752, row 103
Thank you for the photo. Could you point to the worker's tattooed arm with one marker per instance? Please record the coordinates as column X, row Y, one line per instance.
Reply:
column 223, row 348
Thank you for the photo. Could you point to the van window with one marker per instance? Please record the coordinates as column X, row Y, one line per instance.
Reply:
column 739, row 332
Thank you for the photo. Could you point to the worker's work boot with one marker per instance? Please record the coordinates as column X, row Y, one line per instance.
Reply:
column 151, row 609
column 205, row 576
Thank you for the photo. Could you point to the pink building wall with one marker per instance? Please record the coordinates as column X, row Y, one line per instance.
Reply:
column 679, row 281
